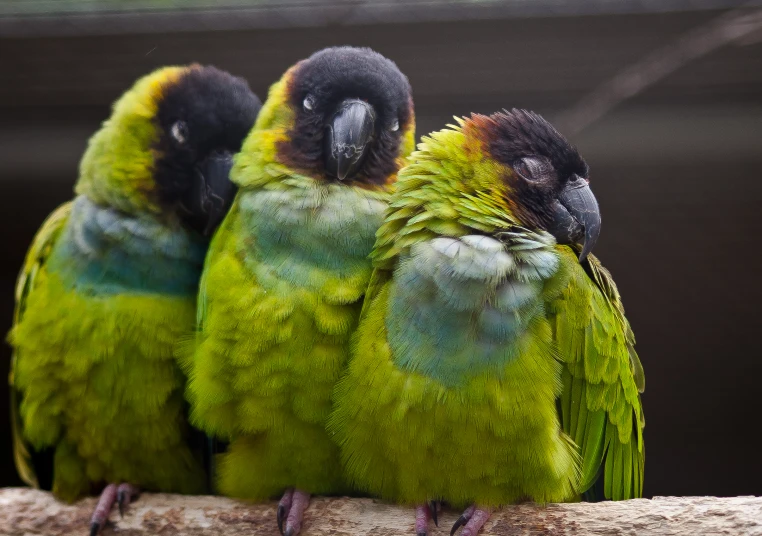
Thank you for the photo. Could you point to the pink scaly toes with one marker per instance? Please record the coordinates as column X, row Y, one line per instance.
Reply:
column 102, row 509
column 473, row 518
column 422, row 520
column 423, row 513
column 122, row 495
column 299, row 503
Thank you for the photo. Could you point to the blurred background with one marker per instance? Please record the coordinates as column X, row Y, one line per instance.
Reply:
column 663, row 98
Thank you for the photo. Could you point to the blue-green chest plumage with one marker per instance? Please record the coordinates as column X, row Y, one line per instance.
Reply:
column 312, row 238
column 104, row 251
column 461, row 307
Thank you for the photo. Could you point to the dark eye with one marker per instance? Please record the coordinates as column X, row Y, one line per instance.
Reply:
column 395, row 125
column 309, row 103
column 180, row 132
column 533, row 168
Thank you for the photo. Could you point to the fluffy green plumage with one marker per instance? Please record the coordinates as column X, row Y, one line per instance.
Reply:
column 468, row 346
column 100, row 386
column 280, row 297
column 118, row 167
column 107, row 290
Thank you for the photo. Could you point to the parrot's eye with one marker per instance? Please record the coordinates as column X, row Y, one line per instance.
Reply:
column 395, row 125
column 180, row 131
column 309, row 103
column 533, row 169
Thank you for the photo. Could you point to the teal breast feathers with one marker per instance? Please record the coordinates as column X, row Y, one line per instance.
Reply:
column 106, row 251
column 312, row 236
column 461, row 305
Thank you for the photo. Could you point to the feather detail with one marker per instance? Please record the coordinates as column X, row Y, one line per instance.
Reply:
column 98, row 384
column 596, row 344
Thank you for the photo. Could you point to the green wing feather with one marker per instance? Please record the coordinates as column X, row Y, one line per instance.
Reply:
column 35, row 259
column 602, row 380
column 378, row 279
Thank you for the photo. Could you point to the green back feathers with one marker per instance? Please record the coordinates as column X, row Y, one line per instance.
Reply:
column 600, row 404
column 36, row 257
column 117, row 168
column 450, row 187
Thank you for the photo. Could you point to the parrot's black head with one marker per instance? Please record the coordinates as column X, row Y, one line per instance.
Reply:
column 353, row 109
column 549, row 180
column 203, row 117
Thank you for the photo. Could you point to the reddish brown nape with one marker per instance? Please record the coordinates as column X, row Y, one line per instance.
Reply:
column 519, row 202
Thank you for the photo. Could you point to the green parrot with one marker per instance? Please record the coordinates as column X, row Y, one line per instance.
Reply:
column 283, row 282
column 493, row 362
column 109, row 287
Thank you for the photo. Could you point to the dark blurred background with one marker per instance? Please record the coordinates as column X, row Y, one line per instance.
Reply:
column 676, row 167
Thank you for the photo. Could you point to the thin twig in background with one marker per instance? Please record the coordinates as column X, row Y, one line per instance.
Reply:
column 729, row 27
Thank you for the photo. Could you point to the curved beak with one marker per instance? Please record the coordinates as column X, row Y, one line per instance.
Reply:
column 211, row 192
column 348, row 137
column 582, row 221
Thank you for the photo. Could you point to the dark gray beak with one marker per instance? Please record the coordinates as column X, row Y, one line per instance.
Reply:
column 577, row 218
column 348, row 137
column 211, row 193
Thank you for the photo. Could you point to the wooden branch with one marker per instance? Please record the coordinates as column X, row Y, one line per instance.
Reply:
column 26, row 512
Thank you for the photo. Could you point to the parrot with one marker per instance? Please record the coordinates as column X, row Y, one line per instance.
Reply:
column 109, row 287
column 283, row 281
column 493, row 362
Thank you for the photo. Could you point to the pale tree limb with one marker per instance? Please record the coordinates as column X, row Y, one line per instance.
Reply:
column 25, row 512
column 730, row 27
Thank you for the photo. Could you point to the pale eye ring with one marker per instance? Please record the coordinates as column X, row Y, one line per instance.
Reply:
column 179, row 131
column 395, row 125
column 309, row 103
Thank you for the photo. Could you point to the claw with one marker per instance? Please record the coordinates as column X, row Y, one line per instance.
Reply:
column 473, row 519
column 284, row 506
column 462, row 520
column 281, row 516
column 433, row 508
column 95, row 528
column 124, row 494
column 120, row 498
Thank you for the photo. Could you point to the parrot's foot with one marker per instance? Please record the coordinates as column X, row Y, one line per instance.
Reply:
column 291, row 510
column 102, row 509
column 283, row 507
column 473, row 519
column 111, row 494
column 423, row 513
